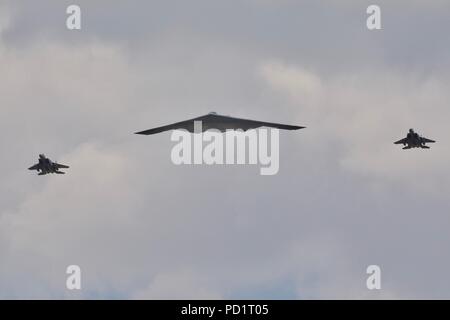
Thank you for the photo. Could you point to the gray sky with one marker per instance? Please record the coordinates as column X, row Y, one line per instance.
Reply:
column 140, row 227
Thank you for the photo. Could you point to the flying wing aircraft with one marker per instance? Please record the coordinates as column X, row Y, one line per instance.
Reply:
column 45, row 166
column 414, row 140
column 215, row 121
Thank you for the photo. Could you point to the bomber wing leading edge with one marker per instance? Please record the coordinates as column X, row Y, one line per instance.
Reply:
column 219, row 122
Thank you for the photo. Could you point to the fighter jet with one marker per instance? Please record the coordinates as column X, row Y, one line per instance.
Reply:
column 46, row 166
column 222, row 123
column 413, row 140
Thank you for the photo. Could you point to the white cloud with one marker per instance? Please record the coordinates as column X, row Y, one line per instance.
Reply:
column 364, row 113
column 140, row 227
column 177, row 285
column 5, row 19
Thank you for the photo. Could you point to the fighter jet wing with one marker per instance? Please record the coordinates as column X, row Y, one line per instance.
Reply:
column 61, row 166
column 35, row 167
column 425, row 140
column 219, row 122
column 401, row 141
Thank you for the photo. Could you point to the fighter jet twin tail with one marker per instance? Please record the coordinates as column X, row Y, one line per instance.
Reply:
column 222, row 123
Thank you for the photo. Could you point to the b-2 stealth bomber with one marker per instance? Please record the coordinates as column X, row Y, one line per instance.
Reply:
column 219, row 122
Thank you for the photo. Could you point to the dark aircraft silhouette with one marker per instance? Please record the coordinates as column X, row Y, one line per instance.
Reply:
column 46, row 166
column 215, row 121
column 413, row 140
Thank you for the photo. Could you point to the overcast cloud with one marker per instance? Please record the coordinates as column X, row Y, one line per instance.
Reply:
column 140, row 227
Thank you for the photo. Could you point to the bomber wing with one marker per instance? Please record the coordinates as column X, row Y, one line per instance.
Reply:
column 219, row 122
